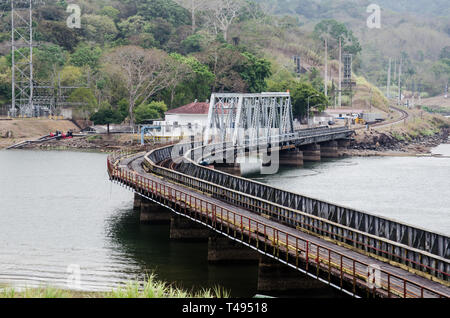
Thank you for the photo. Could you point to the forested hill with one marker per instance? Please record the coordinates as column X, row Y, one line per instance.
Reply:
column 189, row 48
column 416, row 30
column 322, row 8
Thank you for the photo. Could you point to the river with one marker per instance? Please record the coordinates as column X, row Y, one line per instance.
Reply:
column 413, row 190
column 59, row 209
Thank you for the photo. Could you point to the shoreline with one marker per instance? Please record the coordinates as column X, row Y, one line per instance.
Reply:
column 365, row 144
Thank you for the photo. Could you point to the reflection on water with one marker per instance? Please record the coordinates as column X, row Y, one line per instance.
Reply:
column 59, row 208
column 409, row 189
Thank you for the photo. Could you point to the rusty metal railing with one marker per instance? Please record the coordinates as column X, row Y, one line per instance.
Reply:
column 340, row 271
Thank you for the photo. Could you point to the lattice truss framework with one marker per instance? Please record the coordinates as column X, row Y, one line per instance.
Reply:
column 236, row 117
column 22, row 57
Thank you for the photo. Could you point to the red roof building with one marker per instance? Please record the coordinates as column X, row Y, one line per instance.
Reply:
column 190, row 109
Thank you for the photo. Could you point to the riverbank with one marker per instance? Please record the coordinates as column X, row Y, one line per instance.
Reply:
column 13, row 131
column 151, row 288
column 99, row 143
column 415, row 136
column 385, row 143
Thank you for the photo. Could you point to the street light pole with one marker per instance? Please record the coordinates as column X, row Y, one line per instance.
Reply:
column 315, row 95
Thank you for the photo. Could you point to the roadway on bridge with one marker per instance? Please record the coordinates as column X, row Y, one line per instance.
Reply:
column 397, row 286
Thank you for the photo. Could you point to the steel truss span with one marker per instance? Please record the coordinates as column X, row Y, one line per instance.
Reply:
column 262, row 115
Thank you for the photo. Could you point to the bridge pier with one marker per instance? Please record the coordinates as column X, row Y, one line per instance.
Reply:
column 329, row 149
column 280, row 279
column 343, row 143
column 231, row 168
column 137, row 201
column 311, row 152
column 182, row 228
column 224, row 250
column 152, row 212
column 291, row 158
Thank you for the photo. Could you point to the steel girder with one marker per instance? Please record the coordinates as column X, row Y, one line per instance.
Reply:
column 235, row 117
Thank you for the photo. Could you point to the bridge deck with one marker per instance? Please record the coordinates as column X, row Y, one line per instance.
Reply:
column 317, row 249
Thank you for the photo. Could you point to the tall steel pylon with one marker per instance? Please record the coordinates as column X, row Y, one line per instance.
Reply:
column 22, row 58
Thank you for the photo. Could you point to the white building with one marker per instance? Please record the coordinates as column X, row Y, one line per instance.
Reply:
column 182, row 121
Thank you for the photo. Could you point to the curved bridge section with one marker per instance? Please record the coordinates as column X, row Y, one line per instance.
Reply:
column 324, row 241
column 418, row 250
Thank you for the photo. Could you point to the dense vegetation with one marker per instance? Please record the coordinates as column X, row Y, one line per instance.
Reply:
column 139, row 57
column 416, row 31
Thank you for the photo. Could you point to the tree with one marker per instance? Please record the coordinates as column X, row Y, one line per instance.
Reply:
column 193, row 6
column 222, row 14
column 198, row 83
column 300, row 91
column 331, row 29
column 225, row 62
column 86, row 98
column 254, row 72
column 99, row 28
column 46, row 59
column 58, row 33
column 86, row 55
column 106, row 116
column 445, row 53
column 165, row 9
column 144, row 71
column 153, row 110
column 110, row 12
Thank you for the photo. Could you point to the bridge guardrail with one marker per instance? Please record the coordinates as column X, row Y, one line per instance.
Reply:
column 355, row 229
column 334, row 268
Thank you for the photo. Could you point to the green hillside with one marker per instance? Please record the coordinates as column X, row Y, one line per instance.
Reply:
column 146, row 56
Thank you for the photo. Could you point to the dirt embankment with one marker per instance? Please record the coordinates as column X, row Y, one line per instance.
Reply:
column 17, row 130
column 102, row 143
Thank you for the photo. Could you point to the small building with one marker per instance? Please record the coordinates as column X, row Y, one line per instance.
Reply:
column 191, row 114
column 182, row 121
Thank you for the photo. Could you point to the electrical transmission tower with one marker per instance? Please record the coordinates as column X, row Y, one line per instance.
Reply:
column 22, row 58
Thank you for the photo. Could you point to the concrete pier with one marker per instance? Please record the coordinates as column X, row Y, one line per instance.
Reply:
column 224, row 250
column 182, row 228
column 277, row 278
column 343, row 143
column 291, row 158
column 137, row 202
column 231, row 168
column 329, row 149
column 153, row 213
column 311, row 152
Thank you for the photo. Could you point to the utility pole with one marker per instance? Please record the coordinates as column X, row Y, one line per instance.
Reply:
column 388, row 93
column 419, row 88
column 340, row 74
column 400, row 82
column 395, row 70
column 326, row 68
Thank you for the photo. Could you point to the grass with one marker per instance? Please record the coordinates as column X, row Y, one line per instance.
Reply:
column 150, row 288
column 95, row 137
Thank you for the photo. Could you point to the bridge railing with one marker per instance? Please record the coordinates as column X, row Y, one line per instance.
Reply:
column 353, row 229
column 318, row 261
